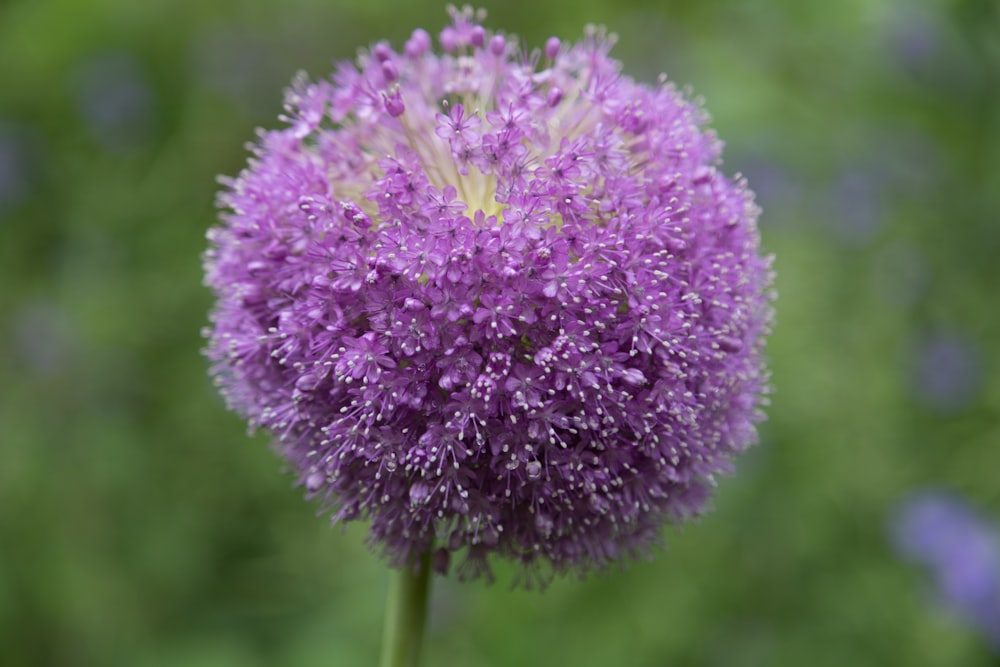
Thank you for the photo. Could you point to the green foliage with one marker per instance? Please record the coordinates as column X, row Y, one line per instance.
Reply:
column 140, row 526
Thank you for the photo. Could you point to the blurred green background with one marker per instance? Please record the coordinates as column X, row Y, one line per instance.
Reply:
column 140, row 526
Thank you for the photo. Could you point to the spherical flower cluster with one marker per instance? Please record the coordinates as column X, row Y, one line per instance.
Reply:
column 494, row 301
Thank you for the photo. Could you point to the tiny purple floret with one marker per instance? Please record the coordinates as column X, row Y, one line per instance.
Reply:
column 492, row 309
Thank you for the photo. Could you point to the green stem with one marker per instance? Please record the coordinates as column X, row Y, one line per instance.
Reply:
column 405, row 614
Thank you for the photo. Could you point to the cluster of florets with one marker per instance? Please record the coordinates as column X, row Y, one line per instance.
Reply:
column 493, row 301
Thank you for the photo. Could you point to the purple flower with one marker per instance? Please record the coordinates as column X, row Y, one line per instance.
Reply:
column 115, row 100
column 488, row 318
column 900, row 273
column 962, row 551
column 44, row 339
column 20, row 149
column 913, row 37
column 858, row 205
column 946, row 371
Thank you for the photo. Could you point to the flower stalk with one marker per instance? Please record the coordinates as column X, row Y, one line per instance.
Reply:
column 406, row 615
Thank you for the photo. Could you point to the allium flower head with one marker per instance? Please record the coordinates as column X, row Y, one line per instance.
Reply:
column 494, row 301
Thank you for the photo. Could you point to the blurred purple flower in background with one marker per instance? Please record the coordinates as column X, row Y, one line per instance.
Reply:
column 913, row 36
column 240, row 63
column 115, row 100
column 946, row 371
column 498, row 302
column 961, row 550
column 17, row 150
column 44, row 339
column 776, row 185
column 857, row 205
column 900, row 275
